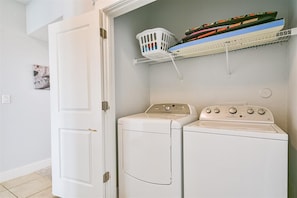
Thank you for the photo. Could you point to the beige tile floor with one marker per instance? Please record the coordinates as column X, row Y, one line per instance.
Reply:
column 34, row 185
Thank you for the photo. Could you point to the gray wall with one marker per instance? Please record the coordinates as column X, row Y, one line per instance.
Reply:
column 292, row 105
column 131, row 81
column 25, row 123
column 205, row 79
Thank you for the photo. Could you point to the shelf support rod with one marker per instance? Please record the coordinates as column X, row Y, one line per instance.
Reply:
column 180, row 76
column 227, row 59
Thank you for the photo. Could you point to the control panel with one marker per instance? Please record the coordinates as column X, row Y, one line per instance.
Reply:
column 171, row 108
column 243, row 113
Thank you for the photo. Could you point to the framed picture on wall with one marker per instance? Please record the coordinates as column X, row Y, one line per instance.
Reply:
column 41, row 77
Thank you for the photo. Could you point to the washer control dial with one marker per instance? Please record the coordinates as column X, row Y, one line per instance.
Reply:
column 237, row 113
column 250, row 111
column 232, row 110
column 216, row 110
column 261, row 111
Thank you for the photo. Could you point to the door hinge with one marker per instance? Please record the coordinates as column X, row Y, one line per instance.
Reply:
column 105, row 105
column 103, row 33
column 106, row 177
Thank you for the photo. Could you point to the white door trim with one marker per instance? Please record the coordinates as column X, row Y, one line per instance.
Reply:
column 111, row 11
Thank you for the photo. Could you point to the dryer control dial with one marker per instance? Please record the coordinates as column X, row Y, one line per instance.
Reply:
column 167, row 108
column 171, row 108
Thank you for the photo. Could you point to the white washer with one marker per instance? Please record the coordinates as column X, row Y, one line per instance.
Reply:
column 235, row 151
column 150, row 151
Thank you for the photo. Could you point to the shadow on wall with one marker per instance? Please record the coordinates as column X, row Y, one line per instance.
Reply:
column 292, row 172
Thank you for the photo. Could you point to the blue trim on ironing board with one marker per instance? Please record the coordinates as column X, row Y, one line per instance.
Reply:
column 230, row 34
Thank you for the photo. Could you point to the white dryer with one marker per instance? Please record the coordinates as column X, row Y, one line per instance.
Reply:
column 150, row 151
column 235, row 152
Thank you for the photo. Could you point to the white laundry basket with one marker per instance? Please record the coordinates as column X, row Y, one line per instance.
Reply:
column 154, row 43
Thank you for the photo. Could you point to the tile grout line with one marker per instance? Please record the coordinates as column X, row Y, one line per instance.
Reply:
column 9, row 191
column 41, row 174
column 38, row 192
column 26, row 181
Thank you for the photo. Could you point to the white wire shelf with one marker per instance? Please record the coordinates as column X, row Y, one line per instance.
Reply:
column 227, row 45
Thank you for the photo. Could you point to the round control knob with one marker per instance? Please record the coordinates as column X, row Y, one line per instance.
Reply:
column 232, row 110
column 261, row 111
column 250, row 111
column 208, row 110
column 216, row 110
column 167, row 108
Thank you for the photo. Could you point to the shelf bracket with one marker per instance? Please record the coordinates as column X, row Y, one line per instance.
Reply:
column 293, row 31
column 180, row 76
column 227, row 58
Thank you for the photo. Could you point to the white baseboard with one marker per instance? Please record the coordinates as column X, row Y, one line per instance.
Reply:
column 27, row 169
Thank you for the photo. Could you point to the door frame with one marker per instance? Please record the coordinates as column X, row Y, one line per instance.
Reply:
column 111, row 9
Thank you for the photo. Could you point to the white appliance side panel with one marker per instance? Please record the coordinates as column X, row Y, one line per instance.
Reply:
column 231, row 166
column 147, row 156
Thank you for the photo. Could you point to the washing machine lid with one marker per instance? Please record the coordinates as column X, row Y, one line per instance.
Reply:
column 254, row 130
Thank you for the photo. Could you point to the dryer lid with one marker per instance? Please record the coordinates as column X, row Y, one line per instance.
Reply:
column 146, row 125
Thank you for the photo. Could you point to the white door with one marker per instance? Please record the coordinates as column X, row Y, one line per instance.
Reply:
column 76, row 95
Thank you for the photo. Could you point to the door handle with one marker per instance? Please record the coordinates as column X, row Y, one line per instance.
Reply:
column 92, row 130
